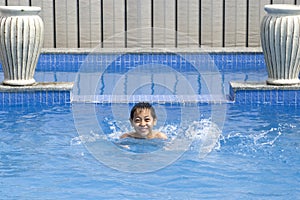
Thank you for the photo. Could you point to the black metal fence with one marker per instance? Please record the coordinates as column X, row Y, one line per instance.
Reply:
column 150, row 23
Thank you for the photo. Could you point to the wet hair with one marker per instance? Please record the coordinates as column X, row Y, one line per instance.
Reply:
column 141, row 106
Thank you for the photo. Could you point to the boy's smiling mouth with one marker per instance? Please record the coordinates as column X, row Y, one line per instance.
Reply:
column 143, row 129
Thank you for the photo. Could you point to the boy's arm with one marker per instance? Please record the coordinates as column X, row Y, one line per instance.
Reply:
column 162, row 136
column 125, row 135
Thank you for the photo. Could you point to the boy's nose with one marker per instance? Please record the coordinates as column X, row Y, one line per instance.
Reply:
column 143, row 123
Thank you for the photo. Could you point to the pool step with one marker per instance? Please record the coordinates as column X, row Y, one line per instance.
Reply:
column 263, row 93
column 50, row 93
column 216, row 99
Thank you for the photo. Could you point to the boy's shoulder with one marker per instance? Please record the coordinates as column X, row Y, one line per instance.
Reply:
column 160, row 135
column 126, row 135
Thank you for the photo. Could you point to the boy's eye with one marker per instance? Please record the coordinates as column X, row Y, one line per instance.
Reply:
column 137, row 120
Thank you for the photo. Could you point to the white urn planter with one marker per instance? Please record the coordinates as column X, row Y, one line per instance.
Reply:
column 21, row 38
column 280, row 31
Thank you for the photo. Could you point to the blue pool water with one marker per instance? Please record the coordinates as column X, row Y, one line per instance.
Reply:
column 252, row 153
column 256, row 156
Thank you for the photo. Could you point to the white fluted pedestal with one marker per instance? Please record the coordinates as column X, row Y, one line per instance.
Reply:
column 280, row 31
column 21, row 38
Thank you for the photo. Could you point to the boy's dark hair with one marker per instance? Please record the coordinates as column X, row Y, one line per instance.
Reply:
column 142, row 105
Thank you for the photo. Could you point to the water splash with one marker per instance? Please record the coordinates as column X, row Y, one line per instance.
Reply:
column 271, row 135
column 82, row 139
column 204, row 135
column 249, row 141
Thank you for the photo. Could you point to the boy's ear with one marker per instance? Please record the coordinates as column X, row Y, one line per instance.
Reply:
column 154, row 122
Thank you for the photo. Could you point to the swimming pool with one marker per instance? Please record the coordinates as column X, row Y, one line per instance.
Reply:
column 255, row 156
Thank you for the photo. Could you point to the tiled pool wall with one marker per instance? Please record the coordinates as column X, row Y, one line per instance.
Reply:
column 261, row 93
column 69, row 62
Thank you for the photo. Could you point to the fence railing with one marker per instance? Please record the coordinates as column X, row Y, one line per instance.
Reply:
column 150, row 23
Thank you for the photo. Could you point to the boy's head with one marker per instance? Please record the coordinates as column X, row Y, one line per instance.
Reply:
column 143, row 118
column 137, row 108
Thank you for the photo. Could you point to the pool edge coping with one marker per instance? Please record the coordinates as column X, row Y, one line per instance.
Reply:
column 152, row 50
column 38, row 86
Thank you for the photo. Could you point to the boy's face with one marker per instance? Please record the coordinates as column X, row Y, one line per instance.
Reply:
column 143, row 122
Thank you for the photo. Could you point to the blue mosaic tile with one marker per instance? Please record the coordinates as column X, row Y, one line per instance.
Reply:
column 254, row 96
column 274, row 97
column 37, row 96
column 72, row 62
column 26, row 98
column 34, row 98
column 240, row 97
column 297, row 97
column 261, row 97
column 62, row 97
column 248, row 97
column 267, row 96
column 56, row 97
column 19, row 98
column 1, row 98
column 50, row 97
column 6, row 98
column 280, row 96
column 124, row 62
column 290, row 97
column 31, row 99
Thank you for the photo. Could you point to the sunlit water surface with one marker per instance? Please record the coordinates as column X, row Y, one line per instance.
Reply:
column 256, row 157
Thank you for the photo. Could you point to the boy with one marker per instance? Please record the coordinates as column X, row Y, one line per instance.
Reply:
column 142, row 119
